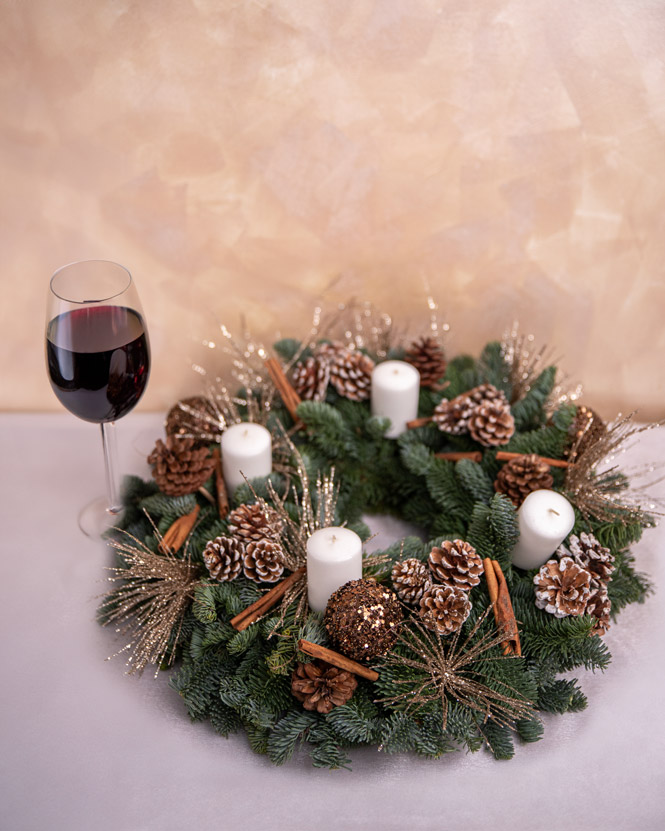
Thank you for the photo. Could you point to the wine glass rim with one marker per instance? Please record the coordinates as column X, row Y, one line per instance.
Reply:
column 58, row 271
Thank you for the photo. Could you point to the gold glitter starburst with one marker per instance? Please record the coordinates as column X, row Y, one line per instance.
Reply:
column 150, row 602
column 444, row 670
column 609, row 495
column 526, row 361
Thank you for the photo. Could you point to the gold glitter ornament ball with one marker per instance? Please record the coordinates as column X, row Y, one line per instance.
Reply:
column 362, row 618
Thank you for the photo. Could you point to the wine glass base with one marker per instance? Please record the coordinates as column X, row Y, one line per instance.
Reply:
column 95, row 518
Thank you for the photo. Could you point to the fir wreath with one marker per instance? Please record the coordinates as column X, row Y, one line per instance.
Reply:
column 434, row 694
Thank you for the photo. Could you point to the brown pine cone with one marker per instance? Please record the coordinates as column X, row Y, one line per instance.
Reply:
column 518, row 477
column 255, row 522
column 350, row 370
column 427, row 356
column 600, row 606
column 444, row 609
column 588, row 553
column 321, row 686
column 180, row 466
column 492, row 424
column 586, row 429
column 453, row 416
column 486, row 394
column 410, row 580
column 263, row 561
column 223, row 558
column 195, row 418
column 310, row 379
column 456, row 563
column 562, row 587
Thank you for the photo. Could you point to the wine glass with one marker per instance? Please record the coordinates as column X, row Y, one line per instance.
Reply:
column 98, row 359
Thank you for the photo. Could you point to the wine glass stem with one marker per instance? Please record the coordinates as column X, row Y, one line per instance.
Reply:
column 110, row 454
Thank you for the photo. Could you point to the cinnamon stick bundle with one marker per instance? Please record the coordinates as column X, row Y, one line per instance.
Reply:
column 337, row 660
column 263, row 604
column 457, row 456
column 289, row 396
column 220, row 485
column 502, row 607
column 178, row 532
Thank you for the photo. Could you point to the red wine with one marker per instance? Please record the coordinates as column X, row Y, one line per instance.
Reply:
column 98, row 361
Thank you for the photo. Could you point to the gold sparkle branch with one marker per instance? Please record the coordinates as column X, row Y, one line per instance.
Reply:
column 440, row 671
column 150, row 602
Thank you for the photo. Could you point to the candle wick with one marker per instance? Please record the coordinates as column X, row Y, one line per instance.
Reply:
column 555, row 512
column 334, row 538
column 245, row 432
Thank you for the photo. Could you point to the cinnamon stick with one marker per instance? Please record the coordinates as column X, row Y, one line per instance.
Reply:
column 337, row 660
column 289, row 396
column 220, row 485
column 178, row 532
column 260, row 607
column 505, row 456
column 502, row 607
column 418, row 422
column 455, row 456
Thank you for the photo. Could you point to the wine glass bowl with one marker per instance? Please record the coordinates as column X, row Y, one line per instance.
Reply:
column 97, row 353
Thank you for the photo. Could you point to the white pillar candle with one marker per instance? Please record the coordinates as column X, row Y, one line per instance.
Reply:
column 395, row 390
column 545, row 520
column 334, row 556
column 246, row 452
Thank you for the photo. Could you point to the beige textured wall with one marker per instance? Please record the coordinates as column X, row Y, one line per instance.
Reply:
column 236, row 156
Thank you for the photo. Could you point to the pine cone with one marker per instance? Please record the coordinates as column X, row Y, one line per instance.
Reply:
column 456, row 563
column 255, row 522
column 410, row 579
column 427, row 356
column 453, row 416
column 520, row 476
column 310, row 379
column 350, row 370
column 588, row 553
column 320, row 686
column 223, row 558
column 180, row 466
column 263, row 561
column 486, row 394
column 562, row 587
column 201, row 421
column 492, row 424
column 586, row 429
column 600, row 606
column 444, row 609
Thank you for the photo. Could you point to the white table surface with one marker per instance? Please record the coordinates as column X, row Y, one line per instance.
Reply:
column 86, row 747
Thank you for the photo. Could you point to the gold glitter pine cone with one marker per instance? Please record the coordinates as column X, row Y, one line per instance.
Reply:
column 321, row 687
column 223, row 557
column 255, row 522
column 456, row 563
column 426, row 355
column 562, row 587
column 362, row 619
column 201, row 421
column 520, row 476
column 588, row 553
column 444, row 609
column 410, row 579
column 180, row 466
column 310, row 378
column 263, row 561
column 350, row 370
column 587, row 427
